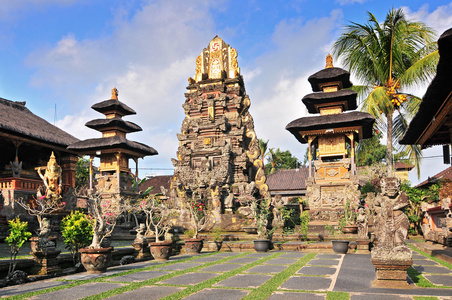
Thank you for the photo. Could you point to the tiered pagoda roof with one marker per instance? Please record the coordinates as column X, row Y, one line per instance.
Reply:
column 114, row 130
column 331, row 100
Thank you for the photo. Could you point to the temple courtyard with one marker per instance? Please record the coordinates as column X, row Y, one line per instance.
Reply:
column 249, row 275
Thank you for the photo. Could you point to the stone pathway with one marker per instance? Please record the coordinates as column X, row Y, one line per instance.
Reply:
column 226, row 275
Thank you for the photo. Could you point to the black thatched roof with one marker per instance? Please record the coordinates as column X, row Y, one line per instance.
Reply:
column 439, row 90
column 288, row 180
column 114, row 142
column 347, row 98
column 116, row 123
column 329, row 75
column 113, row 105
column 16, row 119
column 337, row 121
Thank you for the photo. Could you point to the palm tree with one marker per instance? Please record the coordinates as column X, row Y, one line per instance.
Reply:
column 263, row 147
column 388, row 58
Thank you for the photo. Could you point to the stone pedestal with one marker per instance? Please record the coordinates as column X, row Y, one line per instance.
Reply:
column 141, row 250
column 391, row 265
column 362, row 246
column 46, row 261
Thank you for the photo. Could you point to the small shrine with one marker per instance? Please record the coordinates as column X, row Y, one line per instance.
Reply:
column 113, row 148
column 218, row 156
column 331, row 137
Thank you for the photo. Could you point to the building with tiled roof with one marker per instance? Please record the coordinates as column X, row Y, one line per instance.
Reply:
column 288, row 183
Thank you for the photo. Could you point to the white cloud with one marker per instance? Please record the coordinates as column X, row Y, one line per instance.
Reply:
column 440, row 19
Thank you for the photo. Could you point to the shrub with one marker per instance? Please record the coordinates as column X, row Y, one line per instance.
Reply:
column 18, row 235
column 77, row 232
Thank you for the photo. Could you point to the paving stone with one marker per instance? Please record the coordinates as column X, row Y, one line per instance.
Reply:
column 266, row 269
column 86, row 276
column 296, row 296
column 418, row 256
column 378, row 297
column 281, row 261
column 432, row 269
column 208, row 259
column 307, row 283
column 328, row 256
column 221, row 268
column 218, row 294
column 30, row 287
column 189, row 278
column 316, row 271
column 324, row 262
column 244, row 281
column 243, row 260
column 293, row 255
column 180, row 266
column 148, row 292
column 228, row 254
column 140, row 276
column 259, row 254
column 135, row 266
column 423, row 262
column 79, row 292
column 444, row 280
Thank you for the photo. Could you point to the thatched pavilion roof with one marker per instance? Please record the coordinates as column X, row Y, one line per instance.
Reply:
column 346, row 98
column 18, row 120
column 330, row 75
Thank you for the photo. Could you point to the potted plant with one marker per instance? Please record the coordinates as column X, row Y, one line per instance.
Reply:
column 103, row 210
column 339, row 246
column 261, row 211
column 77, row 233
column 217, row 242
column 156, row 214
column 348, row 221
column 197, row 219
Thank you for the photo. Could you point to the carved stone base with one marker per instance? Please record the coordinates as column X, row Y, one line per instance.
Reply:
column 362, row 246
column 46, row 261
column 141, row 250
column 391, row 266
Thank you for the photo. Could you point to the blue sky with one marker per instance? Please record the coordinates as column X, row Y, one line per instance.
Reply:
column 71, row 53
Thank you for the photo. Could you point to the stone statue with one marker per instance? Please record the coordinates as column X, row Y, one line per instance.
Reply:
column 228, row 201
column 393, row 223
column 16, row 168
column 362, row 221
column 44, row 233
column 140, row 239
column 391, row 257
column 277, row 204
column 51, row 178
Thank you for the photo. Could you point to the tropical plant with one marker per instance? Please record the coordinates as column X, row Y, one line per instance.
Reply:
column 304, row 224
column 261, row 210
column 416, row 196
column 370, row 151
column 387, row 58
column 18, row 235
column 263, row 148
column 103, row 213
column 77, row 233
column 217, row 234
column 81, row 172
column 198, row 212
column 281, row 160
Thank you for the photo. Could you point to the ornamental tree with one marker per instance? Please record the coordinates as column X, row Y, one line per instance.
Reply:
column 18, row 235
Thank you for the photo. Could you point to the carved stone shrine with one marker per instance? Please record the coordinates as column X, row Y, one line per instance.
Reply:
column 218, row 156
column 331, row 137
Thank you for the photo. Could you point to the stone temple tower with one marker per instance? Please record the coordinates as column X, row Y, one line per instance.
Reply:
column 218, row 156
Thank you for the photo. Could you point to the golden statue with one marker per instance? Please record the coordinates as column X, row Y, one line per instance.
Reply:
column 51, row 178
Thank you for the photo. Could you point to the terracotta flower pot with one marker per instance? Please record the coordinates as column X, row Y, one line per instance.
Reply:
column 161, row 250
column 96, row 260
column 193, row 246
column 350, row 229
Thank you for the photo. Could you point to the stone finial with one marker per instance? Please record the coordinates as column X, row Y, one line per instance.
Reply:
column 329, row 61
column 114, row 94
